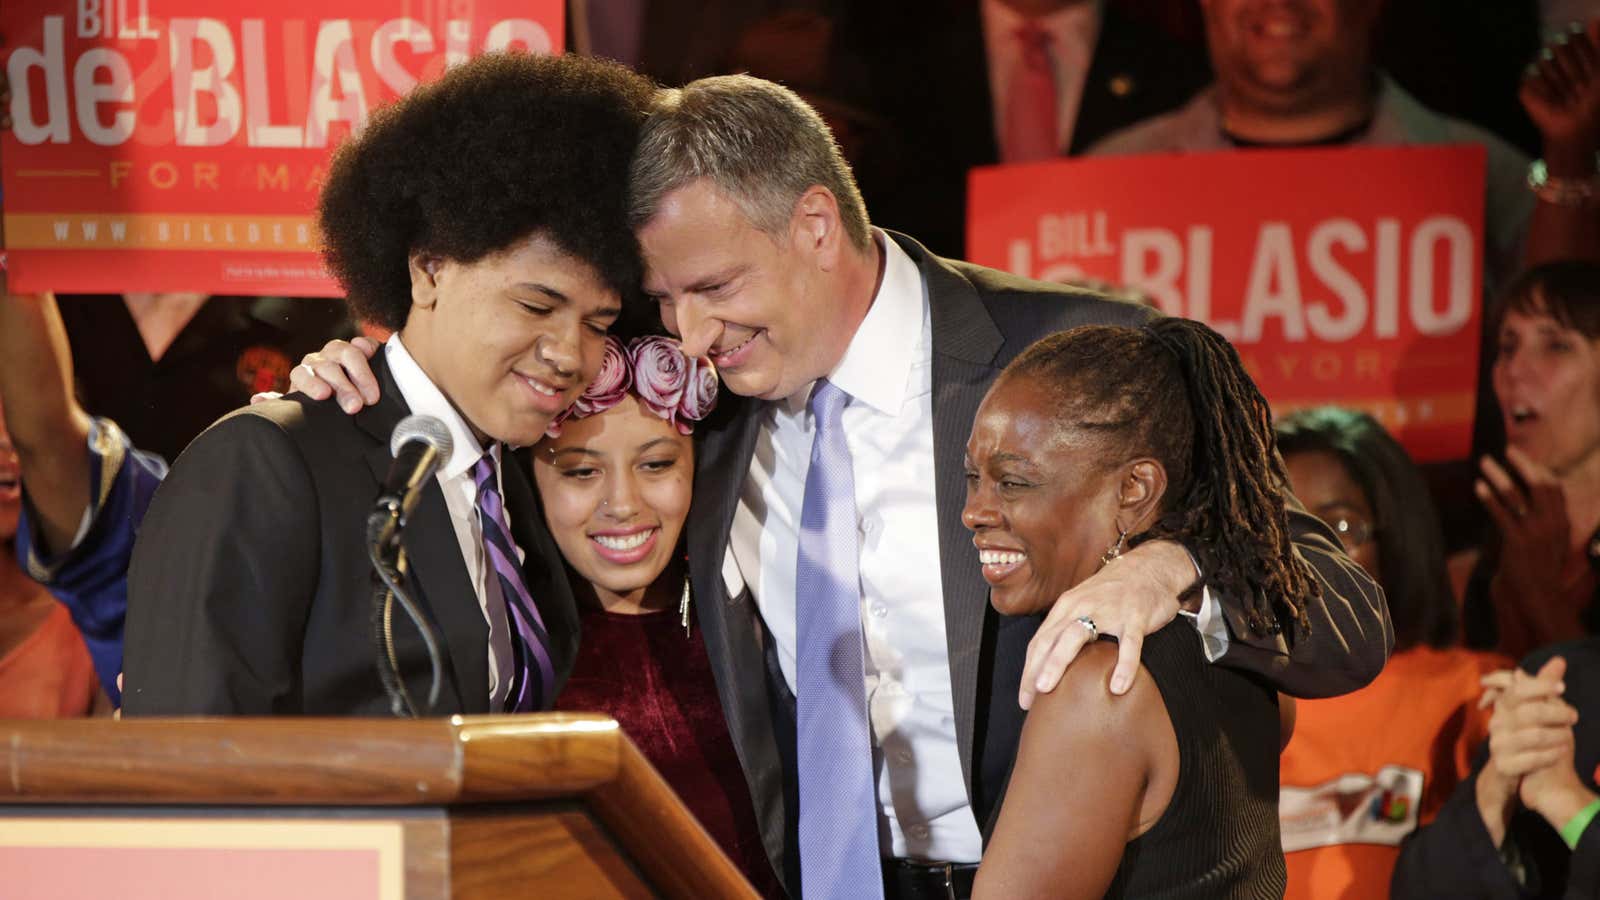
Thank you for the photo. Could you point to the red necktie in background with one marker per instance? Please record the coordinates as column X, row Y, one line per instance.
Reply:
column 1030, row 122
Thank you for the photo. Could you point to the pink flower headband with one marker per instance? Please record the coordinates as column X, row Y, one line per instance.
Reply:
column 678, row 388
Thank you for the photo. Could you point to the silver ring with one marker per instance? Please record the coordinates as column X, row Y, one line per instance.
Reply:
column 1085, row 621
column 309, row 371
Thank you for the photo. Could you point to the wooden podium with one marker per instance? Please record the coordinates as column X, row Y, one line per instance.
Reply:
column 547, row 806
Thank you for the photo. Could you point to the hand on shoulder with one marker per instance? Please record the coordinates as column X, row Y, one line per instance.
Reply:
column 1133, row 596
column 340, row 369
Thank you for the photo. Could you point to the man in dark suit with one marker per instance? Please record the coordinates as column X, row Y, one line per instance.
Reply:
column 942, row 72
column 759, row 252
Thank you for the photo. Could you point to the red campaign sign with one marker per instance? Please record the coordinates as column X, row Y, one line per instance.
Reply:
column 1348, row 276
column 178, row 145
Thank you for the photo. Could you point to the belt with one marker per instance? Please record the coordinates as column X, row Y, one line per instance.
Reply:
column 914, row 879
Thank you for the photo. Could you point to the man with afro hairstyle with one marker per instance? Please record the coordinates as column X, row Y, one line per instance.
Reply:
column 482, row 218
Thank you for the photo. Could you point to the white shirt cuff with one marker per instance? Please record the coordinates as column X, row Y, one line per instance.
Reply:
column 1208, row 621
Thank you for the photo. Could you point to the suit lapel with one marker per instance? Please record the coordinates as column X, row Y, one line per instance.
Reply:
column 447, row 596
column 723, row 458
column 965, row 345
column 731, row 624
column 1106, row 86
column 1139, row 70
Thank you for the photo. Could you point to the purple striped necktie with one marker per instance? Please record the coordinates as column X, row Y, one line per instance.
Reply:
column 533, row 674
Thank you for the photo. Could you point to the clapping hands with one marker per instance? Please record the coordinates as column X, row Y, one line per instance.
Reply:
column 1531, row 747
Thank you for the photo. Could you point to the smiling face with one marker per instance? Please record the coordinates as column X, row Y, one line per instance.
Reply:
column 1287, row 49
column 616, row 488
column 1547, row 379
column 511, row 339
column 1042, row 509
column 759, row 306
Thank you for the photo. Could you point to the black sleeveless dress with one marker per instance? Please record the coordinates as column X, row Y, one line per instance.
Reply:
column 1218, row 838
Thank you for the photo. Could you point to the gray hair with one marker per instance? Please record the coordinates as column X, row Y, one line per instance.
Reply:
column 757, row 141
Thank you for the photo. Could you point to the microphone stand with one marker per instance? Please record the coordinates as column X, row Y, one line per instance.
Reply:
column 388, row 560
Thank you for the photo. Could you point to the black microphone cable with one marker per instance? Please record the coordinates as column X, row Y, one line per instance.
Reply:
column 388, row 587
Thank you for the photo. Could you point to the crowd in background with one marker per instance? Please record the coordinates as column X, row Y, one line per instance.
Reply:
column 1469, row 771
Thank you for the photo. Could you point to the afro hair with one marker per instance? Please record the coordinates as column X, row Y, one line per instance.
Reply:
column 501, row 147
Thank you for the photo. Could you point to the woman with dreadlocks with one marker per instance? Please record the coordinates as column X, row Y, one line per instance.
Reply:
column 1092, row 441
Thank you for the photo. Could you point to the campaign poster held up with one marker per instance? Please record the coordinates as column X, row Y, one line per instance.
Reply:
column 1350, row 276
column 179, row 145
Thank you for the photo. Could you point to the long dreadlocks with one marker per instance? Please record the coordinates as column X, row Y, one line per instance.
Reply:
column 1176, row 391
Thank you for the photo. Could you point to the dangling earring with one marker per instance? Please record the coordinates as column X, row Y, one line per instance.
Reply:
column 683, row 607
column 1116, row 549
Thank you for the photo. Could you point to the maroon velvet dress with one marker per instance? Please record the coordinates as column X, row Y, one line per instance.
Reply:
column 657, row 684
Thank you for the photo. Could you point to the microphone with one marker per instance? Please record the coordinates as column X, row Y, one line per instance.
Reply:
column 420, row 444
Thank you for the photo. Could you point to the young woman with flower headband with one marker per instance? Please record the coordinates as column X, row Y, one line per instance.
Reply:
column 614, row 475
column 616, row 488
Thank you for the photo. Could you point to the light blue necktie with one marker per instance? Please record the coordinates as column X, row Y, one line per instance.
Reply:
column 839, row 855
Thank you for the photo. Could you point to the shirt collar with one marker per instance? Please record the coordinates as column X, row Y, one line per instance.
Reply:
column 876, row 367
column 425, row 398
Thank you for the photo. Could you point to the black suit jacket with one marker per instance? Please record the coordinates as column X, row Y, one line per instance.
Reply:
column 250, row 591
column 981, row 319
column 932, row 77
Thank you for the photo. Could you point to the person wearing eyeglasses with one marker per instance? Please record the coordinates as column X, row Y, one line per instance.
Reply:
column 1345, row 805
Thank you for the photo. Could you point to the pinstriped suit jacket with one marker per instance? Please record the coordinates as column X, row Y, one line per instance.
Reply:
column 981, row 319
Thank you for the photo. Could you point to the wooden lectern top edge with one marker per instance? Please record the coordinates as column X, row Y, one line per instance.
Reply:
column 639, row 807
column 297, row 761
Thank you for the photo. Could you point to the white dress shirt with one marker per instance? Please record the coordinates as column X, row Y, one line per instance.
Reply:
column 461, row 499
column 1073, row 32
column 888, row 373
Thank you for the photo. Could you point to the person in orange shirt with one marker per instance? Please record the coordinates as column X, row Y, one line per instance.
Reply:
column 1364, row 770
column 45, row 670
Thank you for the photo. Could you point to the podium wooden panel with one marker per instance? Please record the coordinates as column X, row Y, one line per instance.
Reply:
column 551, row 806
